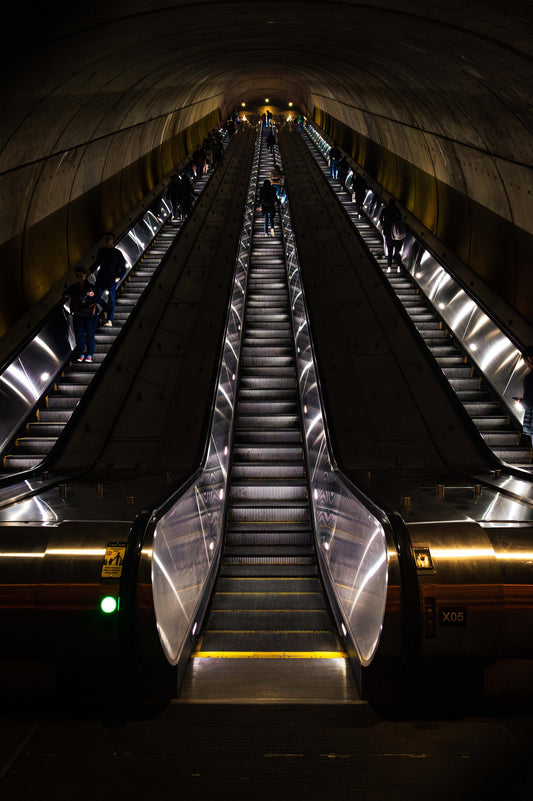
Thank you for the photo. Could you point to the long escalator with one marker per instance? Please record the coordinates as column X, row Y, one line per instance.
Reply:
column 268, row 603
column 53, row 412
column 499, row 430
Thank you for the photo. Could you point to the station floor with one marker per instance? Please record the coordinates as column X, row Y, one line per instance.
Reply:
column 67, row 747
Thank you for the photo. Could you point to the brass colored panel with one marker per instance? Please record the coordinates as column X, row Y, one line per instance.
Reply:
column 44, row 256
column 11, row 299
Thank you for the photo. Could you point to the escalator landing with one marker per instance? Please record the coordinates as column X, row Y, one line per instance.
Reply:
column 273, row 679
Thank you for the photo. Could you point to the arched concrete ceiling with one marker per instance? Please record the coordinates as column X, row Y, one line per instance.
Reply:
column 89, row 88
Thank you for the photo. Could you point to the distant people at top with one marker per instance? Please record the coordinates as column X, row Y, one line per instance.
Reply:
column 334, row 158
column 393, row 233
column 111, row 266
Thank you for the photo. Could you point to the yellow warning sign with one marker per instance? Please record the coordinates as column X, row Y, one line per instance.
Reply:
column 113, row 560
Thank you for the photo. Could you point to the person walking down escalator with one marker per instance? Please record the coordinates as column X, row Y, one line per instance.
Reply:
column 199, row 160
column 270, row 141
column 358, row 192
column 334, row 158
column 112, row 266
column 343, row 168
column 84, row 306
column 181, row 194
column 267, row 205
column 393, row 233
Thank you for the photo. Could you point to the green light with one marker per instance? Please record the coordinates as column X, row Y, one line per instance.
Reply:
column 108, row 604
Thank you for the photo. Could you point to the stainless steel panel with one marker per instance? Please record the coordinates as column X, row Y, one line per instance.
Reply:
column 26, row 377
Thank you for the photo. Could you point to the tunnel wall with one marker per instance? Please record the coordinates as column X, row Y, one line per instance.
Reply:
column 92, row 189
column 494, row 246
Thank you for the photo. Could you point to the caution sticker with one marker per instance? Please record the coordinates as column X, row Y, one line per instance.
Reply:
column 113, row 560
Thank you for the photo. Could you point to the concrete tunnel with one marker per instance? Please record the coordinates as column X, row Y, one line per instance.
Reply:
column 101, row 102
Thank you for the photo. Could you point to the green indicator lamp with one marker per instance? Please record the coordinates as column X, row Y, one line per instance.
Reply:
column 108, row 605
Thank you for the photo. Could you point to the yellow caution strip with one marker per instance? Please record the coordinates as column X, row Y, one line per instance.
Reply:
column 269, row 655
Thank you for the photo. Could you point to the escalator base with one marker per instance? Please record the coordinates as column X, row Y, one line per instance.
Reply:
column 269, row 679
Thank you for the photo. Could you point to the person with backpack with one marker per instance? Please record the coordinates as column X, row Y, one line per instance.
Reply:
column 343, row 168
column 84, row 302
column 393, row 233
column 268, row 200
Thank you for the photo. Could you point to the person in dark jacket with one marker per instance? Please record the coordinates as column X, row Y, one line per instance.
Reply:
column 199, row 159
column 112, row 266
column 270, row 141
column 343, row 168
column 181, row 193
column 358, row 192
column 334, row 158
column 527, row 399
column 84, row 301
column 388, row 217
column 268, row 200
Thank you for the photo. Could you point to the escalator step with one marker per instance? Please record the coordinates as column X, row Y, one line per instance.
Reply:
column 18, row 463
column 267, row 471
column 270, row 641
column 35, row 446
column 269, row 585
column 268, row 600
column 269, row 620
column 247, row 492
column 276, row 537
column 45, row 429
column 267, row 453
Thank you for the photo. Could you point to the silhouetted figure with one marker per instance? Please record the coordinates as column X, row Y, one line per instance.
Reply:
column 389, row 217
column 270, row 141
column 334, row 158
column 343, row 168
column 83, row 306
column 268, row 200
column 111, row 267
column 358, row 192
